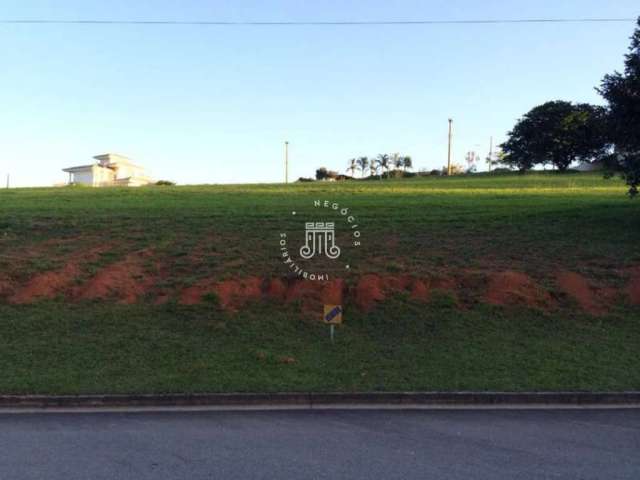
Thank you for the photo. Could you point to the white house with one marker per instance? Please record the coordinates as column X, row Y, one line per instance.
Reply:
column 110, row 170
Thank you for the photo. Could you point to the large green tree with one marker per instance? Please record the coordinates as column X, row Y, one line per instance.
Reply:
column 622, row 92
column 557, row 133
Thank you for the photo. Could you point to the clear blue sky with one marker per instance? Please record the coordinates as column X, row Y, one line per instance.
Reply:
column 200, row 104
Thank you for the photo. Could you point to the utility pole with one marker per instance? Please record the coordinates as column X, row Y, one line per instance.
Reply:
column 8, row 180
column 449, row 152
column 286, row 162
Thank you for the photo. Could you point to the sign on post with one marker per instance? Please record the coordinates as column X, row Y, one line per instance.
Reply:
column 332, row 317
column 333, row 314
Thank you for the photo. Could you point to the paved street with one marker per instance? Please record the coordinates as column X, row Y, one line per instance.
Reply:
column 572, row 444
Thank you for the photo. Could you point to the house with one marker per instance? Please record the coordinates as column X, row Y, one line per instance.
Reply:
column 110, row 170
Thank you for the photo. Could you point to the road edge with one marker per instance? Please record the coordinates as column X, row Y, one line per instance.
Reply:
column 317, row 400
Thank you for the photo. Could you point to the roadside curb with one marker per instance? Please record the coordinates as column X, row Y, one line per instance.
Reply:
column 375, row 400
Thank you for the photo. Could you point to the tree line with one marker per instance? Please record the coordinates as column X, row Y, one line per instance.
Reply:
column 374, row 167
column 381, row 163
column 560, row 133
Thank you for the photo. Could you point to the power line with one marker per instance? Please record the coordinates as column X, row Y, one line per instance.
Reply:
column 311, row 23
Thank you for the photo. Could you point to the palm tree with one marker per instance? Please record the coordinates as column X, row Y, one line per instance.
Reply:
column 373, row 168
column 396, row 161
column 407, row 163
column 363, row 163
column 383, row 161
column 353, row 164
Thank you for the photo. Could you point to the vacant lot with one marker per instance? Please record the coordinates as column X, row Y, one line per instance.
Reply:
column 487, row 282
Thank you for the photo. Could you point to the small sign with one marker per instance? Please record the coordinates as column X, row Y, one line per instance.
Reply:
column 333, row 314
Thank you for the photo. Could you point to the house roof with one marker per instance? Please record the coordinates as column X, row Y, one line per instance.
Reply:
column 112, row 159
column 79, row 168
column 108, row 160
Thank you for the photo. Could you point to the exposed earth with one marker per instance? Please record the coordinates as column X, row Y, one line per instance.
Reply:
column 139, row 277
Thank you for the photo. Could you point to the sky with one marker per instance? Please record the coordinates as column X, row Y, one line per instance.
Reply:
column 214, row 104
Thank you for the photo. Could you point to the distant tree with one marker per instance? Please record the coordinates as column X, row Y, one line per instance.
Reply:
column 494, row 159
column 622, row 92
column 456, row 169
column 321, row 173
column 363, row 163
column 396, row 162
column 353, row 165
column 558, row 133
column 373, row 168
column 472, row 159
column 165, row 183
column 383, row 162
column 407, row 163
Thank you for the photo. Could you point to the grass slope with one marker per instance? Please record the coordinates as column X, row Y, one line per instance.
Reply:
column 537, row 223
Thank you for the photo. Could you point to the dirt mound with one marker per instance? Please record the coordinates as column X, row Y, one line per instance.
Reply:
column 48, row 285
column 443, row 283
column 585, row 295
column 299, row 290
column 314, row 295
column 633, row 288
column 125, row 281
column 396, row 283
column 193, row 295
column 333, row 292
column 515, row 288
column 369, row 291
column 276, row 289
column 233, row 294
column 420, row 291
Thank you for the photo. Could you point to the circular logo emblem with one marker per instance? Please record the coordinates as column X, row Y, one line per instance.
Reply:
column 323, row 242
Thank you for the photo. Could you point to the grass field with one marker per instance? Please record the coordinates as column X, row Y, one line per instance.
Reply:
column 465, row 283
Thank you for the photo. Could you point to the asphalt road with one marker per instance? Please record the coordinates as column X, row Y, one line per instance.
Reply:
column 572, row 444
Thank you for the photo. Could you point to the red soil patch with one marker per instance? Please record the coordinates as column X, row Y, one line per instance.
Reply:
column 162, row 298
column 420, row 291
column 49, row 284
column 633, row 288
column 312, row 295
column 277, row 289
column 333, row 292
column 46, row 285
column 394, row 283
column 298, row 290
column 193, row 295
column 579, row 289
column 369, row 291
column 231, row 294
column 125, row 281
column 515, row 288
column 443, row 283
column 235, row 293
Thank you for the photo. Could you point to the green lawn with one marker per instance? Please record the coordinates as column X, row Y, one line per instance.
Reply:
column 459, row 227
